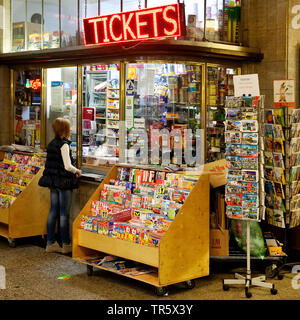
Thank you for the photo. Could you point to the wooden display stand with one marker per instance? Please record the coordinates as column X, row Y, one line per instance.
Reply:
column 27, row 215
column 183, row 252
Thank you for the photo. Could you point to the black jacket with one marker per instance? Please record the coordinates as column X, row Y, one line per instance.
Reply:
column 55, row 175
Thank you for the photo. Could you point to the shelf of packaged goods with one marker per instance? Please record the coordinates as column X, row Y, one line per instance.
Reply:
column 150, row 278
column 113, row 98
column 113, row 89
column 4, row 213
column 117, row 247
column 113, row 108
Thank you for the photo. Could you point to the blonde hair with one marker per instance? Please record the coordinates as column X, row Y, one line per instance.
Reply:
column 61, row 128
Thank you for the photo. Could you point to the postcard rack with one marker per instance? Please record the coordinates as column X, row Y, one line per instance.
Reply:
column 27, row 215
column 182, row 254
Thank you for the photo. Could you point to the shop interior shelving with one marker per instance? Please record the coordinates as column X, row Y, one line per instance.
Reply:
column 183, row 252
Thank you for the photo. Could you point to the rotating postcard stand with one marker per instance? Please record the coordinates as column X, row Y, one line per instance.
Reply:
column 243, row 175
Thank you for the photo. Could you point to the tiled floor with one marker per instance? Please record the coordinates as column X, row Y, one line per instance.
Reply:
column 32, row 274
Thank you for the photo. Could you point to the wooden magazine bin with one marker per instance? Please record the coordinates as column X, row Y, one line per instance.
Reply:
column 183, row 252
column 27, row 215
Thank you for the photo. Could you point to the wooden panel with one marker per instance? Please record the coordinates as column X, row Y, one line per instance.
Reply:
column 29, row 212
column 4, row 215
column 184, row 250
column 117, row 247
column 150, row 278
column 3, row 230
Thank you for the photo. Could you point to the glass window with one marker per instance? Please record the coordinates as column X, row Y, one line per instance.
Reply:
column 51, row 24
column 1, row 26
column 219, row 85
column 34, row 24
column 194, row 16
column 69, row 14
column 27, row 106
column 61, row 100
column 110, row 7
column 223, row 20
column 165, row 100
column 130, row 5
column 100, row 114
column 157, row 3
column 91, row 8
column 18, row 25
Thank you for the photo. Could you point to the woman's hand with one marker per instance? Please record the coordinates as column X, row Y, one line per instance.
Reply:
column 78, row 173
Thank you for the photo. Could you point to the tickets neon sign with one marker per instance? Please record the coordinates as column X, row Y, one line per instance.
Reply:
column 140, row 25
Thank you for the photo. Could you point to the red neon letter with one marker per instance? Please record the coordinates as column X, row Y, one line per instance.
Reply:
column 170, row 20
column 155, row 20
column 126, row 26
column 105, row 29
column 139, row 25
column 116, row 16
column 94, row 21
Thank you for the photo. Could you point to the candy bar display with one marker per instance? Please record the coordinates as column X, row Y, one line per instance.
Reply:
column 242, row 158
column 16, row 172
column 139, row 205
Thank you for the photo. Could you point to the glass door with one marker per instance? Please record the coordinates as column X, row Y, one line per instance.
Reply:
column 100, row 114
column 61, row 100
column 27, row 107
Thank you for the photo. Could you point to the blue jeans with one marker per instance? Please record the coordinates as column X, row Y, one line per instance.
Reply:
column 60, row 208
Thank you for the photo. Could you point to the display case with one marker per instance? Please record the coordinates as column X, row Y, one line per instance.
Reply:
column 167, row 97
column 219, row 86
column 100, row 114
column 27, row 107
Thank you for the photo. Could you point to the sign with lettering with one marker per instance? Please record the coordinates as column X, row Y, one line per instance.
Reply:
column 159, row 22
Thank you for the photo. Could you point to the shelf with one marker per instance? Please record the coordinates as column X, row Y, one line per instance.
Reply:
column 150, row 278
column 112, row 98
column 121, row 248
column 113, row 89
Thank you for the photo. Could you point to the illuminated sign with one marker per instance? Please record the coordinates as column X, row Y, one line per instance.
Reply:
column 33, row 84
column 160, row 22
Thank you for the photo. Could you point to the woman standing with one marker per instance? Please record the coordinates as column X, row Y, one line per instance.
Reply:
column 60, row 176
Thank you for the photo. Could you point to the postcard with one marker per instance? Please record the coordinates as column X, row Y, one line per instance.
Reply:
column 250, row 163
column 234, row 175
column 251, row 213
column 233, row 188
column 233, row 199
column 250, row 151
column 250, row 138
column 250, row 188
column 278, row 115
column 250, row 175
column 269, row 132
column 233, row 114
column 234, row 162
column 278, row 160
column 249, row 126
column 234, row 212
column 233, row 150
column 233, row 137
column 232, row 125
column 269, row 161
column 269, row 116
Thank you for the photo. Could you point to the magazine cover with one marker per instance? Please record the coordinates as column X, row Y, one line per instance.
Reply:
column 279, row 117
column 269, row 130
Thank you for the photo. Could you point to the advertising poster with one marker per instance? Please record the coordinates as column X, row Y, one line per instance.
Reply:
column 284, row 93
column 57, row 96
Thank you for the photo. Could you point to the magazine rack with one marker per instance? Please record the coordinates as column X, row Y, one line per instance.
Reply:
column 183, row 252
column 27, row 215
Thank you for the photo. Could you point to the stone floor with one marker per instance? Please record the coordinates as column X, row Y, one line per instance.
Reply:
column 32, row 274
